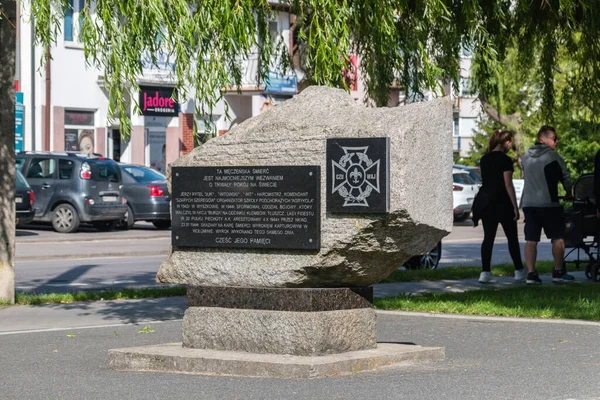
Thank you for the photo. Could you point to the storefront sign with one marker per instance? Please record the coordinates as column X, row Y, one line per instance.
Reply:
column 279, row 84
column 358, row 175
column 19, row 111
column 158, row 101
column 85, row 118
column 266, row 207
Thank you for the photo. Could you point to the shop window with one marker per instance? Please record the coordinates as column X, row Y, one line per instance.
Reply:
column 79, row 131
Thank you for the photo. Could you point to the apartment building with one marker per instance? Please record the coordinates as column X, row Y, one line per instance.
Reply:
column 64, row 105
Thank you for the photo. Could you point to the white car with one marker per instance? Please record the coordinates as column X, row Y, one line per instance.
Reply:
column 464, row 190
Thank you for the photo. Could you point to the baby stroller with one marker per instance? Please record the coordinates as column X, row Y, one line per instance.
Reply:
column 581, row 228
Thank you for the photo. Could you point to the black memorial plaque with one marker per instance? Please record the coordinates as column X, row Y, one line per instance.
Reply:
column 266, row 207
column 358, row 175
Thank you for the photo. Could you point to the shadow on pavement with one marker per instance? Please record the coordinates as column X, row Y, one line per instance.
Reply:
column 21, row 232
column 129, row 311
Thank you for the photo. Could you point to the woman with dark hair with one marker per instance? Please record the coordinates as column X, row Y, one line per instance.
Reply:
column 498, row 204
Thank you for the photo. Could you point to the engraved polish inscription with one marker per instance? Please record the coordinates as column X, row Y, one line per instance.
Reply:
column 271, row 207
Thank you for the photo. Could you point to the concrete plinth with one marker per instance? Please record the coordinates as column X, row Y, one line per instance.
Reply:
column 177, row 359
column 300, row 322
column 280, row 332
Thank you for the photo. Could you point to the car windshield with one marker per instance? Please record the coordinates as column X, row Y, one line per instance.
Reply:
column 144, row 175
column 463, row 178
column 105, row 171
column 21, row 182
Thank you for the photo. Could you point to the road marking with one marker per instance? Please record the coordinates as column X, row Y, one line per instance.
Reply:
column 485, row 318
column 88, row 327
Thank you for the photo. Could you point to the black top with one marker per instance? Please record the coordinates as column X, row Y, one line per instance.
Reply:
column 493, row 165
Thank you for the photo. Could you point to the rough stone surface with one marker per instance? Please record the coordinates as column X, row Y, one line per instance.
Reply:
column 281, row 299
column 356, row 250
column 279, row 332
column 173, row 357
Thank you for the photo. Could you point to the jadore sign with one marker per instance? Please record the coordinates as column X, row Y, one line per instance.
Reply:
column 158, row 101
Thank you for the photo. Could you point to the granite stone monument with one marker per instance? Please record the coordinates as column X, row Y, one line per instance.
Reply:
column 278, row 257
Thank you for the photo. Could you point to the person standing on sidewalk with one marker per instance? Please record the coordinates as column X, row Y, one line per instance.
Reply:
column 543, row 168
column 497, row 204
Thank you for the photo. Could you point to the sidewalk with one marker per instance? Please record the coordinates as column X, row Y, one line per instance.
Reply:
column 457, row 286
column 102, row 313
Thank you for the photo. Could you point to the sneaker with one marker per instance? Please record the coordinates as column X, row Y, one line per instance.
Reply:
column 486, row 277
column 533, row 279
column 520, row 275
column 561, row 276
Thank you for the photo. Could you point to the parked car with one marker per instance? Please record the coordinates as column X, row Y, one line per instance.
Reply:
column 464, row 189
column 24, row 199
column 430, row 260
column 71, row 188
column 474, row 172
column 147, row 197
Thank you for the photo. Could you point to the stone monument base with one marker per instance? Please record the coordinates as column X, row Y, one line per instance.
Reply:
column 274, row 333
column 175, row 358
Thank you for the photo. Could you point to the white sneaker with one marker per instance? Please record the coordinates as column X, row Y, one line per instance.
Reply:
column 486, row 277
column 521, row 275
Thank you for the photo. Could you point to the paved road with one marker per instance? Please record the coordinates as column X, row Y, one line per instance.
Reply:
column 48, row 261
column 62, row 349
column 62, row 354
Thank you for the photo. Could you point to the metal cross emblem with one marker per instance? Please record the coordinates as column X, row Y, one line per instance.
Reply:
column 355, row 176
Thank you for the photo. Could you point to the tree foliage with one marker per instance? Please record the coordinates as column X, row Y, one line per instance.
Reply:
column 412, row 42
column 520, row 94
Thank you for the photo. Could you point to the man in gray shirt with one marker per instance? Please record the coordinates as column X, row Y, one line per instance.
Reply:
column 543, row 168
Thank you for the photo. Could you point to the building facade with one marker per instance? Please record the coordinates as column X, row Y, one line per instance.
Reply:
column 467, row 109
column 65, row 103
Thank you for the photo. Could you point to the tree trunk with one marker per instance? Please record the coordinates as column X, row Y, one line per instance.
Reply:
column 8, row 10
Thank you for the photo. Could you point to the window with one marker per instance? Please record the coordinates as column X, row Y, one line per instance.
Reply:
column 79, row 131
column 468, row 127
column 466, row 51
column 456, row 130
column 465, row 87
column 65, row 169
column 462, row 178
column 42, row 168
column 144, row 175
column 73, row 13
column 105, row 171
column 19, row 163
column 274, row 31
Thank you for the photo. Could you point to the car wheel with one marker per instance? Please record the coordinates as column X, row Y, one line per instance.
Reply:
column 162, row 224
column 462, row 217
column 127, row 221
column 430, row 260
column 103, row 226
column 65, row 219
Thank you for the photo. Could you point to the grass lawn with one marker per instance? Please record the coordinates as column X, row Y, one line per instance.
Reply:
column 453, row 273
column 570, row 301
column 22, row 299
